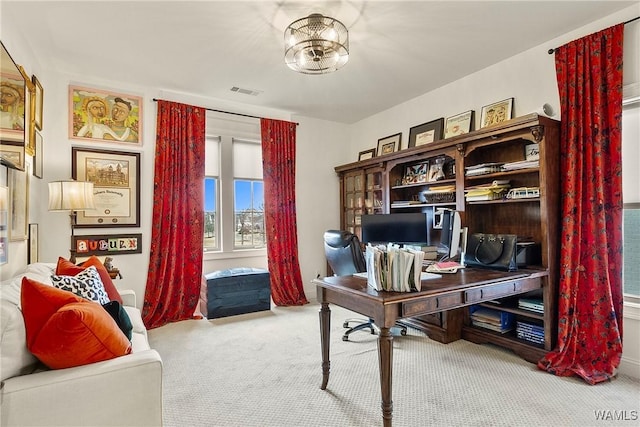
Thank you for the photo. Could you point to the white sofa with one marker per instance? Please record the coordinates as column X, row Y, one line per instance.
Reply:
column 125, row 391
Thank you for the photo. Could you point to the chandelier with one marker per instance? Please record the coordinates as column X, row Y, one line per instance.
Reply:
column 316, row 44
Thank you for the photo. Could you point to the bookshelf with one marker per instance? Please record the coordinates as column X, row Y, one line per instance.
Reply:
column 532, row 216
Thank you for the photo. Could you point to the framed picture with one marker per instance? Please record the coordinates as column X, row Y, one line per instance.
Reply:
column 426, row 133
column 109, row 244
column 18, row 202
column 37, row 158
column 416, row 173
column 30, row 127
column 13, row 154
column 98, row 115
column 497, row 112
column 4, row 250
column 116, row 186
column 436, row 170
column 532, row 152
column 389, row 144
column 459, row 124
column 367, row 154
column 33, row 244
column 38, row 101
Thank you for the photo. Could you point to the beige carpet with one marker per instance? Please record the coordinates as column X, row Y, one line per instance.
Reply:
column 263, row 369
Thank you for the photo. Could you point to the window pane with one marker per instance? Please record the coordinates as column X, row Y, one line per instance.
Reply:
column 210, row 214
column 247, row 160
column 249, row 214
column 631, row 227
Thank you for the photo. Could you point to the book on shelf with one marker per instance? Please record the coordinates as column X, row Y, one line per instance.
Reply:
column 523, row 164
column 532, row 304
column 483, row 168
column 495, row 320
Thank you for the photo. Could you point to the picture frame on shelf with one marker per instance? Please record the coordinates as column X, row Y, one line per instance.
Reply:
column 436, row 170
column 426, row 133
column 33, row 244
column 415, row 174
column 116, row 179
column 38, row 156
column 97, row 115
column 38, row 102
column 367, row 154
column 389, row 144
column 532, row 152
column 496, row 113
column 459, row 124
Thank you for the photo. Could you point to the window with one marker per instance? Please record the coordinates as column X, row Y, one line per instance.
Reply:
column 211, row 200
column 249, row 214
column 631, row 198
column 248, row 194
column 233, row 194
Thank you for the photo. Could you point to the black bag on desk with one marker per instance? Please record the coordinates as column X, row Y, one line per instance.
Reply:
column 492, row 251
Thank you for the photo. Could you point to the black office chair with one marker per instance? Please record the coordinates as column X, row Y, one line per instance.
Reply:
column 344, row 255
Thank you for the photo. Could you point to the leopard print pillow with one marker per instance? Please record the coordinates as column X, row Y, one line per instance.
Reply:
column 86, row 284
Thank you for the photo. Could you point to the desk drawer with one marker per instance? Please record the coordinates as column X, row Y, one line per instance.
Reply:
column 430, row 305
column 489, row 292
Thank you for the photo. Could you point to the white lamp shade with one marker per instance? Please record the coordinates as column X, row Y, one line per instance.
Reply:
column 4, row 198
column 71, row 196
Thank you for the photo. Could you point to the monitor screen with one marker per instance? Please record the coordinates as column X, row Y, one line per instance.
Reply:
column 410, row 228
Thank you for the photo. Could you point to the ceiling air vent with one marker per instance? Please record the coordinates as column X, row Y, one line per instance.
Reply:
column 246, row 91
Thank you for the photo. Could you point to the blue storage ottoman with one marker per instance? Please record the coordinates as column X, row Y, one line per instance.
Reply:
column 237, row 291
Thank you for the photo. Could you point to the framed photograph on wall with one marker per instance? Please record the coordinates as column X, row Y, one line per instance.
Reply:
column 426, row 133
column 367, row 154
column 497, row 112
column 459, row 124
column 108, row 244
column 18, row 202
column 389, row 144
column 98, row 115
column 116, row 186
column 37, row 157
column 38, row 102
column 33, row 244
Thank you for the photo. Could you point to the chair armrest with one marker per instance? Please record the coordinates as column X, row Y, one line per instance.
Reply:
column 126, row 390
column 128, row 297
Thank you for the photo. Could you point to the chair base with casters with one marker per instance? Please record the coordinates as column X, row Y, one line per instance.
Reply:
column 363, row 324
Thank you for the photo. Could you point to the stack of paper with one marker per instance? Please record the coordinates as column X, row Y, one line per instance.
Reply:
column 483, row 168
column 524, row 164
column 394, row 269
column 495, row 190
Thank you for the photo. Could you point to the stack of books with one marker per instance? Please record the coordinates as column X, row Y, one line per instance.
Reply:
column 392, row 268
column 404, row 203
column 530, row 332
column 494, row 320
column 523, row 164
column 483, row 168
column 531, row 304
column 493, row 191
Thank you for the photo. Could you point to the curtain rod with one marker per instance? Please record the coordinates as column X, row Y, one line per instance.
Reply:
column 550, row 51
column 227, row 112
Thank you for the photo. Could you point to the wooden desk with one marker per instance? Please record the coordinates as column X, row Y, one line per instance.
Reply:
column 468, row 286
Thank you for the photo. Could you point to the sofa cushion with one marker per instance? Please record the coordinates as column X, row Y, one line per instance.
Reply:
column 64, row 330
column 86, row 284
column 67, row 268
column 15, row 358
column 119, row 314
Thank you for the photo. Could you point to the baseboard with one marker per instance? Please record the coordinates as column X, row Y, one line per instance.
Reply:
column 629, row 367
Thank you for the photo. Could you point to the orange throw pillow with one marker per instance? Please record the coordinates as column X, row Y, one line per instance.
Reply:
column 78, row 332
column 67, row 268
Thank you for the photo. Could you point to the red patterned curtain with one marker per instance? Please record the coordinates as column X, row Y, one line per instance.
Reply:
column 589, row 73
column 175, row 264
column 279, row 170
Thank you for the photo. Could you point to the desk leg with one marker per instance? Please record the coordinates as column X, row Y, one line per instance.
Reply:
column 325, row 328
column 385, row 359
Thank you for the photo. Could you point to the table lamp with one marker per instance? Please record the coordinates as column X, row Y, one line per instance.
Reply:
column 72, row 196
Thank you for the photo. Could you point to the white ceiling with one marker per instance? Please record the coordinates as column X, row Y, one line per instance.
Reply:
column 399, row 49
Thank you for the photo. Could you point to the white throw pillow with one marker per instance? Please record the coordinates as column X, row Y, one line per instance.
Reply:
column 86, row 284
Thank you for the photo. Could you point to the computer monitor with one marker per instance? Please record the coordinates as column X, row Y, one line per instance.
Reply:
column 402, row 228
column 453, row 236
